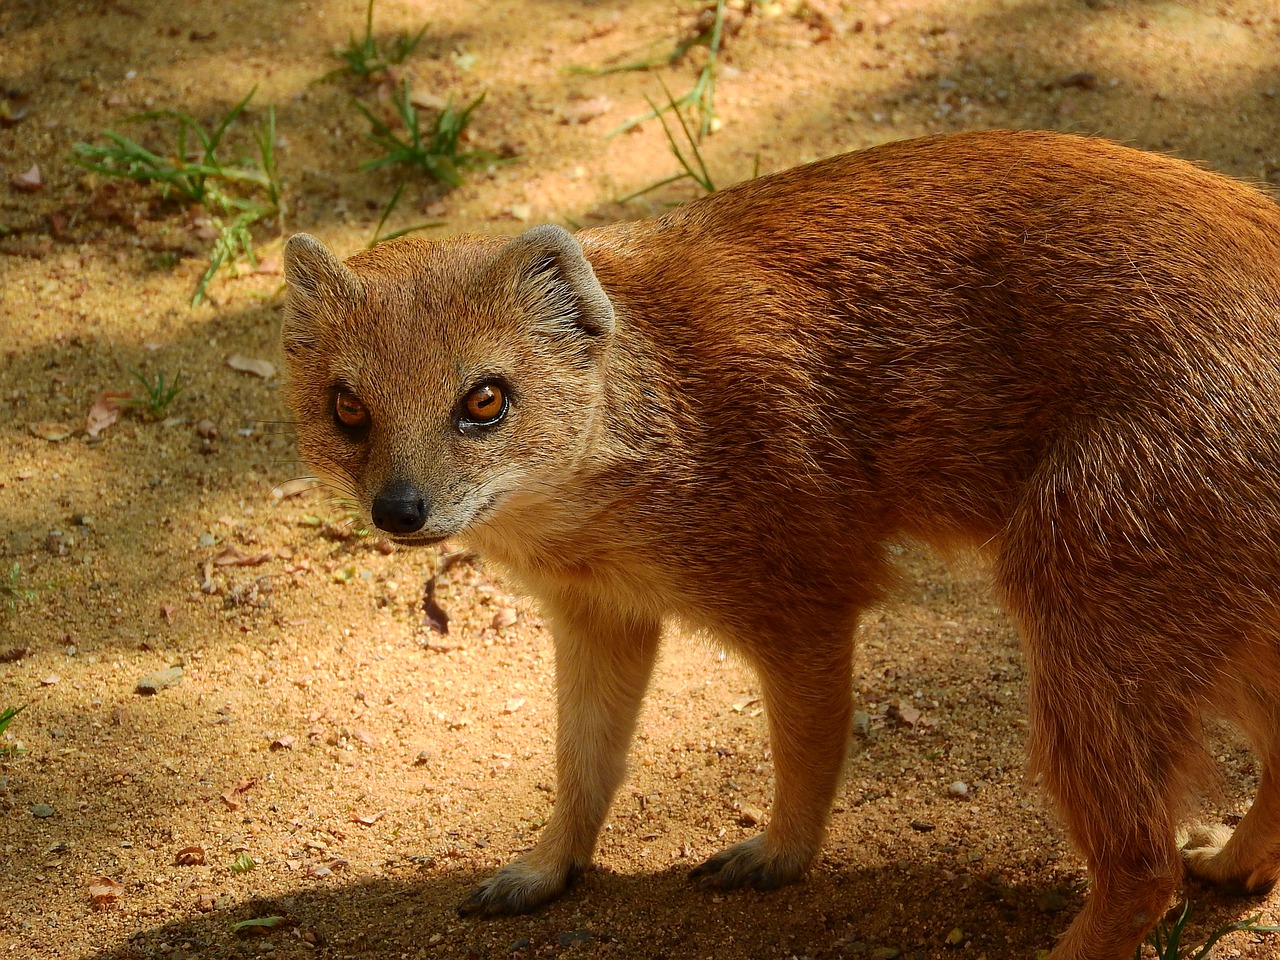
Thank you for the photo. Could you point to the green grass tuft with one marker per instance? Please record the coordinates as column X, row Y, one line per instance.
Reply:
column 1166, row 938
column 364, row 58
column 236, row 195
column 158, row 394
column 701, row 96
column 7, row 715
column 435, row 151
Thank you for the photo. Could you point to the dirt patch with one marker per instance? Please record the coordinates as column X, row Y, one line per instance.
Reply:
column 326, row 757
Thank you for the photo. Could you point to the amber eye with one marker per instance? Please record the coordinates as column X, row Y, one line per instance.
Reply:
column 350, row 412
column 486, row 404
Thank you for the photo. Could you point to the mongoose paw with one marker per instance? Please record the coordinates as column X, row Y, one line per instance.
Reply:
column 748, row 864
column 517, row 888
column 1206, row 857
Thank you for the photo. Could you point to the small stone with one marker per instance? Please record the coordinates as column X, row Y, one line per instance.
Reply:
column 958, row 789
column 207, row 429
column 153, row 683
column 505, row 617
column 29, row 180
column 750, row 814
column 862, row 723
column 42, row 810
column 923, row 826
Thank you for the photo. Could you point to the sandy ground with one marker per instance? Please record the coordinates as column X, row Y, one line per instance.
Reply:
column 327, row 758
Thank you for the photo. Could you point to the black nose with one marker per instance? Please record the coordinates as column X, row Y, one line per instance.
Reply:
column 399, row 508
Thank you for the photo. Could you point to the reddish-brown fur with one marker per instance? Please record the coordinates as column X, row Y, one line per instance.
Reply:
column 1061, row 351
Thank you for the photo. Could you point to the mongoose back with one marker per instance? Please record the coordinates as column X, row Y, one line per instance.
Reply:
column 1061, row 351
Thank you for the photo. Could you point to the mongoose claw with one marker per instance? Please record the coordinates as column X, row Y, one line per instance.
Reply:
column 748, row 864
column 516, row 888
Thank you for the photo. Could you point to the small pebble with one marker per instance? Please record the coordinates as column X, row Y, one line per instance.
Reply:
column 153, row 683
column 42, row 810
column 958, row 789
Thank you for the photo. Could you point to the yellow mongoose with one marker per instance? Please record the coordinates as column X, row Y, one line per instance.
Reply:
column 1061, row 350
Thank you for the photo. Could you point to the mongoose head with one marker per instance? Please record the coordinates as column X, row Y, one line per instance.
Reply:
column 446, row 387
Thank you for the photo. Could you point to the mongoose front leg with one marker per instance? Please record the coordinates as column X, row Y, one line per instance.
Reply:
column 809, row 705
column 603, row 664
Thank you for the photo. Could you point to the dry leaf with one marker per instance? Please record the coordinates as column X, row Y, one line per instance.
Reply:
column 104, row 892
column 192, row 856
column 285, row 742
column 231, row 557
column 433, row 614
column 368, row 819
column 259, row 368
column 292, row 488
column 242, row 786
column 426, row 100
column 326, row 868
column 511, row 706
column 368, row 739
column 105, row 411
column 50, row 430
column 29, row 181
column 584, row 111
column 903, row 713
column 743, row 704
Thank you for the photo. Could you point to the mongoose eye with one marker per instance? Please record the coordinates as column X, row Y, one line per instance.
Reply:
column 486, row 404
column 349, row 411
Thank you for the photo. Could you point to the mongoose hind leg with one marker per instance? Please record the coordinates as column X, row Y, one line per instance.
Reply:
column 603, row 663
column 809, row 707
column 1246, row 861
column 1121, row 809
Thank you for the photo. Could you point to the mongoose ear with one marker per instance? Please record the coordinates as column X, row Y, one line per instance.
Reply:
column 314, row 273
column 552, row 274
column 316, row 280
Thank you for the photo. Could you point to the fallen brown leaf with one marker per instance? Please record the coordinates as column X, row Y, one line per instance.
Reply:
column 104, row 892
column 368, row 819
column 105, row 411
column 192, row 856
column 242, row 786
column 231, row 557
column 259, row 368
column 326, row 868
